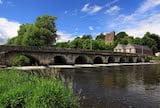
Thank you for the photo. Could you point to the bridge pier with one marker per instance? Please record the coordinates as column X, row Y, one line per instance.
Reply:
column 117, row 59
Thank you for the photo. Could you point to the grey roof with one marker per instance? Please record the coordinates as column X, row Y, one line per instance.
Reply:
column 120, row 46
column 137, row 46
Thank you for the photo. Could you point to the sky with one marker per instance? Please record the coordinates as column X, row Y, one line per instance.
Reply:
column 79, row 17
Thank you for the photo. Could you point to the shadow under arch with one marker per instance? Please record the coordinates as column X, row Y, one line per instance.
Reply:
column 139, row 60
column 98, row 60
column 59, row 60
column 111, row 59
column 122, row 60
column 81, row 60
column 33, row 61
column 130, row 60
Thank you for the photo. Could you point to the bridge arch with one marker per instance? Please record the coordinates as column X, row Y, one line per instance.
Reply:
column 122, row 60
column 111, row 59
column 131, row 60
column 59, row 60
column 98, row 60
column 139, row 60
column 81, row 60
column 33, row 61
column 146, row 59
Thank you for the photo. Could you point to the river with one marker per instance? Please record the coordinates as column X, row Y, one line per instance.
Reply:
column 117, row 86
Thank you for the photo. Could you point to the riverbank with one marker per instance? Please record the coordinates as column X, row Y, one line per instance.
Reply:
column 77, row 66
column 22, row 90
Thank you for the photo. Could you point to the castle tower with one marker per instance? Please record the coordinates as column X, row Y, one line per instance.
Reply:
column 109, row 38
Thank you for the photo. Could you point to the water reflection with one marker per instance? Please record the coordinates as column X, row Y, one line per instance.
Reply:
column 117, row 87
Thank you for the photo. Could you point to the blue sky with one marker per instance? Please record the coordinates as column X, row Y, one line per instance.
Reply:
column 78, row 17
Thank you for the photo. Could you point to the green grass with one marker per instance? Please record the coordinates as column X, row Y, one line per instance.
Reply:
column 22, row 90
column 155, row 58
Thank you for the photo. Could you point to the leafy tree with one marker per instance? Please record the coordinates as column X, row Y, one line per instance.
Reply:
column 48, row 22
column 100, row 36
column 87, row 37
column 76, row 43
column 36, row 36
column 138, row 41
column 63, row 44
column 98, row 45
column 151, row 43
column 42, row 33
column 121, row 35
column 14, row 41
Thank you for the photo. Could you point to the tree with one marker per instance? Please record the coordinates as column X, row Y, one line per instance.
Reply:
column 76, row 43
column 98, row 45
column 121, row 35
column 150, row 42
column 101, row 36
column 87, row 37
column 63, row 44
column 138, row 41
column 48, row 22
column 42, row 33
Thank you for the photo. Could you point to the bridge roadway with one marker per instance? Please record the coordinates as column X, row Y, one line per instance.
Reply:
column 52, row 55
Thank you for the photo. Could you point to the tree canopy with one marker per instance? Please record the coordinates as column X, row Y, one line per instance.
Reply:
column 86, row 42
column 41, row 33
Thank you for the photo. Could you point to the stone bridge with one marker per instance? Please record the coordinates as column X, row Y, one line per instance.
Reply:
column 53, row 55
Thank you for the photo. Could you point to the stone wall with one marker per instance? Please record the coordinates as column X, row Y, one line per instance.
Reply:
column 109, row 38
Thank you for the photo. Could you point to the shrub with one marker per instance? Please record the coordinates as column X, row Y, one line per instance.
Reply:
column 22, row 90
column 155, row 58
column 20, row 60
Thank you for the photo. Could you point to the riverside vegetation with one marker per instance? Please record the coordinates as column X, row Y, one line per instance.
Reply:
column 29, row 90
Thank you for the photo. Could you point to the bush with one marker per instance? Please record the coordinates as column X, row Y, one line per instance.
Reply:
column 155, row 58
column 22, row 90
column 20, row 60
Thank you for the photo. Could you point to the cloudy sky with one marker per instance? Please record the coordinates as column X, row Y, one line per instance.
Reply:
column 78, row 17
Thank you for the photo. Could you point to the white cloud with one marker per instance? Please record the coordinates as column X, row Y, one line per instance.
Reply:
column 148, row 5
column 113, row 10
column 8, row 29
column 64, row 37
column 145, row 19
column 90, row 28
column 91, row 9
column 111, row 3
column 151, row 24
column 1, row 2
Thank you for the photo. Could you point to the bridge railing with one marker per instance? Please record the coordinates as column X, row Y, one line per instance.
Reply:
column 5, row 48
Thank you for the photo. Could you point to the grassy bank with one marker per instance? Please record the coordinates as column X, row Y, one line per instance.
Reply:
column 22, row 90
column 155, row 59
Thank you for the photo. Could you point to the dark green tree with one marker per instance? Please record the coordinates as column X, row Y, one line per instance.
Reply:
column 100, row 36
column 42, row 33
column 150, row 42
column 48, row 22
column 138, row 41
column 63, row 44
column 98, row 44
column 87, row 37
column 120, row 36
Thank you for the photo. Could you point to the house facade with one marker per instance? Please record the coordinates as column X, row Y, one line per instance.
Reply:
column 157, row 54
column 133, row 48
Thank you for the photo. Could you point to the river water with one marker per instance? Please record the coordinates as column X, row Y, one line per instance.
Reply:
column 117, row 86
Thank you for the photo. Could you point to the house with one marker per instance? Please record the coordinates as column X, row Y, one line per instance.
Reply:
column 133, row 48
column 157, row 54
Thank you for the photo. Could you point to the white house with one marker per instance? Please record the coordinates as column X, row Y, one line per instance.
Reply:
column 133, row 48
